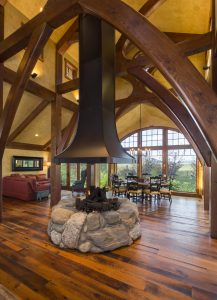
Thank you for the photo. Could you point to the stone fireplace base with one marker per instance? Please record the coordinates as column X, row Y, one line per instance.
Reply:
column 94, row 232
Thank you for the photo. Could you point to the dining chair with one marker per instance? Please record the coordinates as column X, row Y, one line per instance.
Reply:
column 155, row 186
column 118, row 188
column 166, row 190
column 133, row 190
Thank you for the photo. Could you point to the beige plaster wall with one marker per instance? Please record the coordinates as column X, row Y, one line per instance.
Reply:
column 7, row 160
column 150, row 116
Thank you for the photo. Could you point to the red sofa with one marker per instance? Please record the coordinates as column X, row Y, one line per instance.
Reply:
column 26, row 187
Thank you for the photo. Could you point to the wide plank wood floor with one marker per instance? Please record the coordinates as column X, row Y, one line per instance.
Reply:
column 174, row 259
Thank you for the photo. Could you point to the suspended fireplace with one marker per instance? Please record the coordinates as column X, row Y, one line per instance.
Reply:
column 95, row 223
column 96, row 139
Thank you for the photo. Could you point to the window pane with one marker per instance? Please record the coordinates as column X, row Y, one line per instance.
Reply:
column 73, row 173
column 103, row 175
column 152, row 162
column 131, row 141
column 152, row 137
column 124, row 169
column 182, row 167
column 63, row 174
column 176, row 138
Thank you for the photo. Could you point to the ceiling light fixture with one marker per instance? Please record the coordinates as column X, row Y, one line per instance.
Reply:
column 36, row 134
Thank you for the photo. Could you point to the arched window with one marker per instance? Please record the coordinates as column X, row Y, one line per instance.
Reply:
column 161, row 151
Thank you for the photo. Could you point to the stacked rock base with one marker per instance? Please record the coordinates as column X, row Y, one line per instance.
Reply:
column 94, row 232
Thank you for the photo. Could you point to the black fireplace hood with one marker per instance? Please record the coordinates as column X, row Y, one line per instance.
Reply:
column 96, row 139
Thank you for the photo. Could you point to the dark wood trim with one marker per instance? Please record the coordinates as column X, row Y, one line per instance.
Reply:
column 68, row 175
column 37, row 41
column 165, row 152
column 55, row 15
column 27, row 121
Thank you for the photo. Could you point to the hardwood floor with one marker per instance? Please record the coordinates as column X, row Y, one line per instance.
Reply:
column 174, row 259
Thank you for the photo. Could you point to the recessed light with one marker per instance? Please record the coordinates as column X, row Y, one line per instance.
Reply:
column 41, row 8
column 36, row 134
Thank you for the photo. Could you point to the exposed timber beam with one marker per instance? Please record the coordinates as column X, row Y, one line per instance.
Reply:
column 67, row 132
column 54, row 15
column 196, row 45
column 192, row 46
column 180, row 73
column 150, row 6
column 25, row 146
column 27, row 121
column 37, row 42
column 189, row 44
column 145, row 97
column 178, row 37
column 70, row 37
column 176, row 107
column 31, row 87
column 68, row 86
column 38, row 90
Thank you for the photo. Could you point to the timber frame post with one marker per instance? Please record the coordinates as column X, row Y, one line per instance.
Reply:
column 1, row 98
column 206, row 187
column 213, row 202
column 56, row 135
column 36, row 43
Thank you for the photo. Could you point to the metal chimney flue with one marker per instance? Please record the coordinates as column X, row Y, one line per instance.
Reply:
column 96, row 139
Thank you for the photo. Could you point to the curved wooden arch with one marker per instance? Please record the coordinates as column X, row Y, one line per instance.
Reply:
column 172, row 107
column 185, row 79
column 169, row 104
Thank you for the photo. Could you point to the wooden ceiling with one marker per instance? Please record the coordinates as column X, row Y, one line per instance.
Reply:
column 174, row 17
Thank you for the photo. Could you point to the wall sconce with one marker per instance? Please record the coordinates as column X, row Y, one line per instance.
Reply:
column 206, row 68
column 34, row 75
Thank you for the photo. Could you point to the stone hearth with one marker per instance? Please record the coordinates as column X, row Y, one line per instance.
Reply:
column 94, row 232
